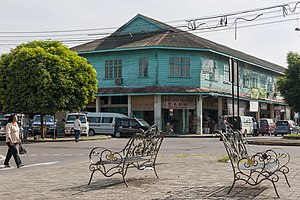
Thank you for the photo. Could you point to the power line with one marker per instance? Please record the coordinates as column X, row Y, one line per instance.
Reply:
column 83, row 35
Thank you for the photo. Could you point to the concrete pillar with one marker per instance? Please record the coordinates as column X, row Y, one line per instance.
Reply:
column 199, row 113
column 183, row 121
column 129, row 106
column 272, row 116
column 220, row 110
column 157, row 111
column 287, row 112
column 98, row 104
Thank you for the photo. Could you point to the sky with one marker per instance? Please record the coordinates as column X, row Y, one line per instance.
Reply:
column 78, row 21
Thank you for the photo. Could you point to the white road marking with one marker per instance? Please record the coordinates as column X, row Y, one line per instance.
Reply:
column 32, row 165
column 38, row 164
column 2, row 157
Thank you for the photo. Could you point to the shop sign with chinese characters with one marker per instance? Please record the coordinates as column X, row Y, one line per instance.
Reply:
column 178, row 102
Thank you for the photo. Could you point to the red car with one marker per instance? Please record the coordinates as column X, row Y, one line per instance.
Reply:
column 266, row 126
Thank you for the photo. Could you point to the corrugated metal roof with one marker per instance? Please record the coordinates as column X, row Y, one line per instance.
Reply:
column 170, row 37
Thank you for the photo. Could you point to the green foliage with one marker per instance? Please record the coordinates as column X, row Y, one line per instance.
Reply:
column 289, row 85
column 45, row 77
column 223, row 159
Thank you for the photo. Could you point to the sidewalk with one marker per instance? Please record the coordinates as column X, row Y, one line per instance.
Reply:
column 181, row 177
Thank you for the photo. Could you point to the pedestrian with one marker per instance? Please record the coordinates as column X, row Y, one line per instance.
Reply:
column 77, row 125
column 224, row 123
column 211, row 125
column 255, row 128
column 12, row 140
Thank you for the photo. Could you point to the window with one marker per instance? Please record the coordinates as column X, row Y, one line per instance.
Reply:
column 107, row 119
column 119, row 100
column 113, row 69
column 134, row 123
column 94, row 119
column 254, row 80
column 226, row 74
column 143, row 67
column 246, row 79
column 262, row 80
column 179, row 67
column 214, row 76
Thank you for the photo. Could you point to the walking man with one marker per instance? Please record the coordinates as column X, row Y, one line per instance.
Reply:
column 77, row 125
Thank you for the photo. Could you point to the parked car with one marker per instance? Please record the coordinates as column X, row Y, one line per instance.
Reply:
column 285, row 127
column 266, row 126
column 49, row 125
column 128, row 126
column 69, row 123
column 245, row 125
column 3, row 122
column 102, row 122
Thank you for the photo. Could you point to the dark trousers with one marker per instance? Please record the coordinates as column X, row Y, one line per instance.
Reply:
column 77, row 134
column 12, row 151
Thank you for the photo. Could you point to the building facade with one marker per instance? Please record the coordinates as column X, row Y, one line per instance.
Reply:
column 175, row 79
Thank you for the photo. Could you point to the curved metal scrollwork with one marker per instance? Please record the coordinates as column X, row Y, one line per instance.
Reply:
column 140, row 151
column 266, row 165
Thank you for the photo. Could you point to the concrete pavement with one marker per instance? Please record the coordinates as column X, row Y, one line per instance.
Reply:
column 184, row 176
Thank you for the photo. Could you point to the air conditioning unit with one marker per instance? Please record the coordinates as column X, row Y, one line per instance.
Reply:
column 118, row 81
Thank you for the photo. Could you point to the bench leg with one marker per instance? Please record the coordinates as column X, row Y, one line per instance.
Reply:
column 124, row 172
column 287, row 181
column 155, row 171
column 275, row 189
column 231, row 187
column 91, row 177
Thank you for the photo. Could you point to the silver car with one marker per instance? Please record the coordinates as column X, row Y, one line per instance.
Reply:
column 3, row 122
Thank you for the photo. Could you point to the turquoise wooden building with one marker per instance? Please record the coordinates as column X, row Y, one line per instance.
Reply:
column 173, row 78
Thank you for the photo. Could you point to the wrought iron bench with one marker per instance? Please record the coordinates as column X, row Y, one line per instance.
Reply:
column 140, row 151
column 268, row 165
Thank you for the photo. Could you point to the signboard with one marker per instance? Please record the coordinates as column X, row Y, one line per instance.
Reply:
column 263, row 93
column 142, row 103
column 254, row 93
column 207, row 66
column 253, row 106
column 263, row 106
column 178, row 102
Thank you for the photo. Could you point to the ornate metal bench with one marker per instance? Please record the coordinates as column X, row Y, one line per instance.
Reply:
column 140, row 151
column 268, row 165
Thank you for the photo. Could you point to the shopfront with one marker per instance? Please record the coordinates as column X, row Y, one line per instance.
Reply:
column 178, row 113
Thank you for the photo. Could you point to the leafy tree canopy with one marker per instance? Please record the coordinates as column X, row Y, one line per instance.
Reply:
column 43, row 77
column 289, row 85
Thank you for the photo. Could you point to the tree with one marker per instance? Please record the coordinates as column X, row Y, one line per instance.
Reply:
column 44, row 77
column 289, row 85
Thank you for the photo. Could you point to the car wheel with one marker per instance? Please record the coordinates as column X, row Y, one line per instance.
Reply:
column 275, row 134
column 91, row 132
column 117, row 134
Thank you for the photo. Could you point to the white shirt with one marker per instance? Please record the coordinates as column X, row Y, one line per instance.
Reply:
column 12, row 133
column 77, row 124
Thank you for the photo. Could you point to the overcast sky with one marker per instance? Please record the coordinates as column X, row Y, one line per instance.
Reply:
column 270, row 42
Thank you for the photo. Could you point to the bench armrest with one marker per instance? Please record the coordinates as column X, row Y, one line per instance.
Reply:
column 100, row 155
column 270, row 160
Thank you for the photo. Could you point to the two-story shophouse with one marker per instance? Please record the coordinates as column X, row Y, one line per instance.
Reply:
column 171, row 77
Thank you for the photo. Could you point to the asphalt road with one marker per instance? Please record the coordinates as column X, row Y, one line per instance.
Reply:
column 50, row 154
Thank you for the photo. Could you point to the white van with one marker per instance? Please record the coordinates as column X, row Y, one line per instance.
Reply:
column 103, row 122
column 246, row 124
column 69, row 123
